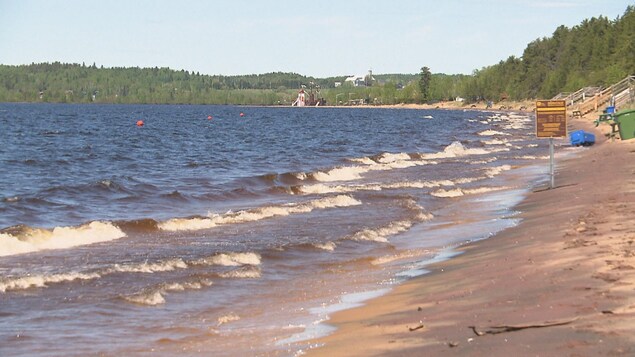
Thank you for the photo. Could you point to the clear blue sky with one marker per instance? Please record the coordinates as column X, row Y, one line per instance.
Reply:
column 317, row 38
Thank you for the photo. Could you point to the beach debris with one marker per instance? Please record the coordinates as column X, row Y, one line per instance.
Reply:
column 494, row 330
column 453, row 344
column 418, row 327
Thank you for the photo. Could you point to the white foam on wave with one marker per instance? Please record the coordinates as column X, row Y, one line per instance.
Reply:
column 346, row 173
column 497, row 170
column 531, row 157
column 383, row 162
column 490, row 132
column 389, row 157
column 324, row 188
column 156, row 296
column 242, row 273
column 42, row 281
column 230, row 259
column 227, row 319
column 407, row 254
column 458, row 192
column 516, row 121
column 188, row 224
column 363, row 160
column 36, row 239
column 484, row 161
column 320, row 188
column 328, row 246
column 151, row 299
column 169, row 265
column 381, row 234
column 456, row 149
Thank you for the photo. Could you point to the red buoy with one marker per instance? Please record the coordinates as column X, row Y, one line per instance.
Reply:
column 242, row 114
column 209, row 117
column 139, row 122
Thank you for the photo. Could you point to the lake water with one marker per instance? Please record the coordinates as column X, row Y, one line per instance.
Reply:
column 208, row 232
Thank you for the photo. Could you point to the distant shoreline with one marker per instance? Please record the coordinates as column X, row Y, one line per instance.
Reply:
column 523, row 106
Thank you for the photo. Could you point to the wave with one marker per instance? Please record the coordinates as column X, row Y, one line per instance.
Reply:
column 328, row 246
column 198, row 223
column 42, row 281
column 458, row 192
column 531, row 157
column 496, row 141
column 381, row 234
column 242, row 273
column 151, row 298
column 491, row 133
column 230, row 259
column 144, row 225
column 112, row 185
column 484, row 161
column 155, row 296
column 381, row 162
column 386, row 158
column 146, row 267
column 24, row 239
column 515, row 121
column 227, row 318
column 407, row 254
column 497, row 170
column 284, row 178
column 324, row 188
column 233, row 259
column 222, row 259
column 456, row 149
column 346, row 173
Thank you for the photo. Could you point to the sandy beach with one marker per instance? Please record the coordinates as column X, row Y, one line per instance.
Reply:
column 561, row 283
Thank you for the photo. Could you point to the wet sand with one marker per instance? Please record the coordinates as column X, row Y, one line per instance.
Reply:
column 561, row 283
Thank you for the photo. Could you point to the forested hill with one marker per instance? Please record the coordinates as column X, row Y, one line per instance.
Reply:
column 597, row 52
column 61, row 82
column 77, row 83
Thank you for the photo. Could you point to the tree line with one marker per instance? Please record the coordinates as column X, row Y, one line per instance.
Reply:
column 597, row 52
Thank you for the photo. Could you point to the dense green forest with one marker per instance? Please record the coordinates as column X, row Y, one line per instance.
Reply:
column 596, row 52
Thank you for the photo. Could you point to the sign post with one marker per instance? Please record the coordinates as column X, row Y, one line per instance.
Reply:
column 551, row 122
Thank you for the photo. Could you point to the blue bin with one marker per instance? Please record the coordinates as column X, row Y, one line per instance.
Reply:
column 581, row 137
column 609, row 110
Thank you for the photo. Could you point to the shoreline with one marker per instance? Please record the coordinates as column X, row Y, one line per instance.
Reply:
column 561, row 282
column 526, row 106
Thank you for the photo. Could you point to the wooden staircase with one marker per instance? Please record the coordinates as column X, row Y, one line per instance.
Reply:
column 589, row 99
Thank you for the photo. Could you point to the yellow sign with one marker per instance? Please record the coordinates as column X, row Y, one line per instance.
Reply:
column 551, row 119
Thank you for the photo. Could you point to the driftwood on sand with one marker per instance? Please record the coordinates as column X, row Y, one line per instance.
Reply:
column 511, row 328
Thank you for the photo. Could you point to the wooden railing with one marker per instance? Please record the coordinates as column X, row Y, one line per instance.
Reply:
column 623, row 91
column 578, row 96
